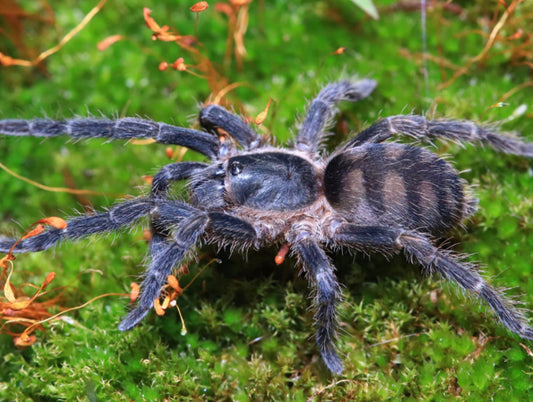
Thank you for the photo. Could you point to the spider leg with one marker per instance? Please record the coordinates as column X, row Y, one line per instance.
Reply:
column 230, row 229
column 159, row 191
column 321, row 271
column 119, row 215
column 213, row 117
column 187, row 224
column 122, row 129
column 322, row 110
column 165, row 254
column 420, row 249
column 419, row 128
column 173, row 172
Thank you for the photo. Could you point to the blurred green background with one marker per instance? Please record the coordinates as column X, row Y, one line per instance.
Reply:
column 403, row 335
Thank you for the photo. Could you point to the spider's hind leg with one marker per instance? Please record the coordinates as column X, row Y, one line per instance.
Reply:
column 322, row 110
column 420, row 249
column 466, row 276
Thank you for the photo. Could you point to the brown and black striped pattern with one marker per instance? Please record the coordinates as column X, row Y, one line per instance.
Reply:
column 396, row 183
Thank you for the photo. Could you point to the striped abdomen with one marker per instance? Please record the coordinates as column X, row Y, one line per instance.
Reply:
column 396, row 184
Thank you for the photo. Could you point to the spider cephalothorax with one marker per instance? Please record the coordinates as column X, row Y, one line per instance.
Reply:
column 368, row 195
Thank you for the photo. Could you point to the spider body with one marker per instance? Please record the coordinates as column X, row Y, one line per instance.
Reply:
column 368, row 195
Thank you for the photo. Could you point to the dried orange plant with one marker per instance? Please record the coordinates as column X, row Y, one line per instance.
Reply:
column 518, row 45
column 17, row 310
column 171, row 291
column 21, row 315
column 202, row 66
column 6, row 60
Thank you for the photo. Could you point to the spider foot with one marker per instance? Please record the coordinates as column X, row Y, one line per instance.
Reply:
column 331, row 358
column 133, row 318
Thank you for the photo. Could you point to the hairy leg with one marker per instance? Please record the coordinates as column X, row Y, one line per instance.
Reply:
column 173, row 172
column 159, row 247
column 121, row 129
column 419, row 128
column 184, row 225
column 418, row 248
column 160, row 184
column 213, row 117
column 322, row 110
column 321, row 272
column 228, row 229
column 166, row 254
column 118, row 216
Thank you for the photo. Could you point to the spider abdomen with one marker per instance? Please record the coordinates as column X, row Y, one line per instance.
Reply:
column 396, row 184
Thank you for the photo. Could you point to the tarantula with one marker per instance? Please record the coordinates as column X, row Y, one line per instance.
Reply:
column 368, row 196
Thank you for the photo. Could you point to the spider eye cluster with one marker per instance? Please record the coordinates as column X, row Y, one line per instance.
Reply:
column 235, row 168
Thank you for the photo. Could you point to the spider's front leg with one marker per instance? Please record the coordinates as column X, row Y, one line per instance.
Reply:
column 320, row 271
column 159, row 191
column 170, row 173
column 420, row 249
column 322, row 109
column 185, row 225
column 121, row 129
column 420, row 128
column 213, row 117
column 118, row 216
column 189, row 224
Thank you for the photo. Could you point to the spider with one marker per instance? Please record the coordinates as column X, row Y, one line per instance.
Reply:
column 368, row 195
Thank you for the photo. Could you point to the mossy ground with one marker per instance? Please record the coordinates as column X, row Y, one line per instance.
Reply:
column 404, row 336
